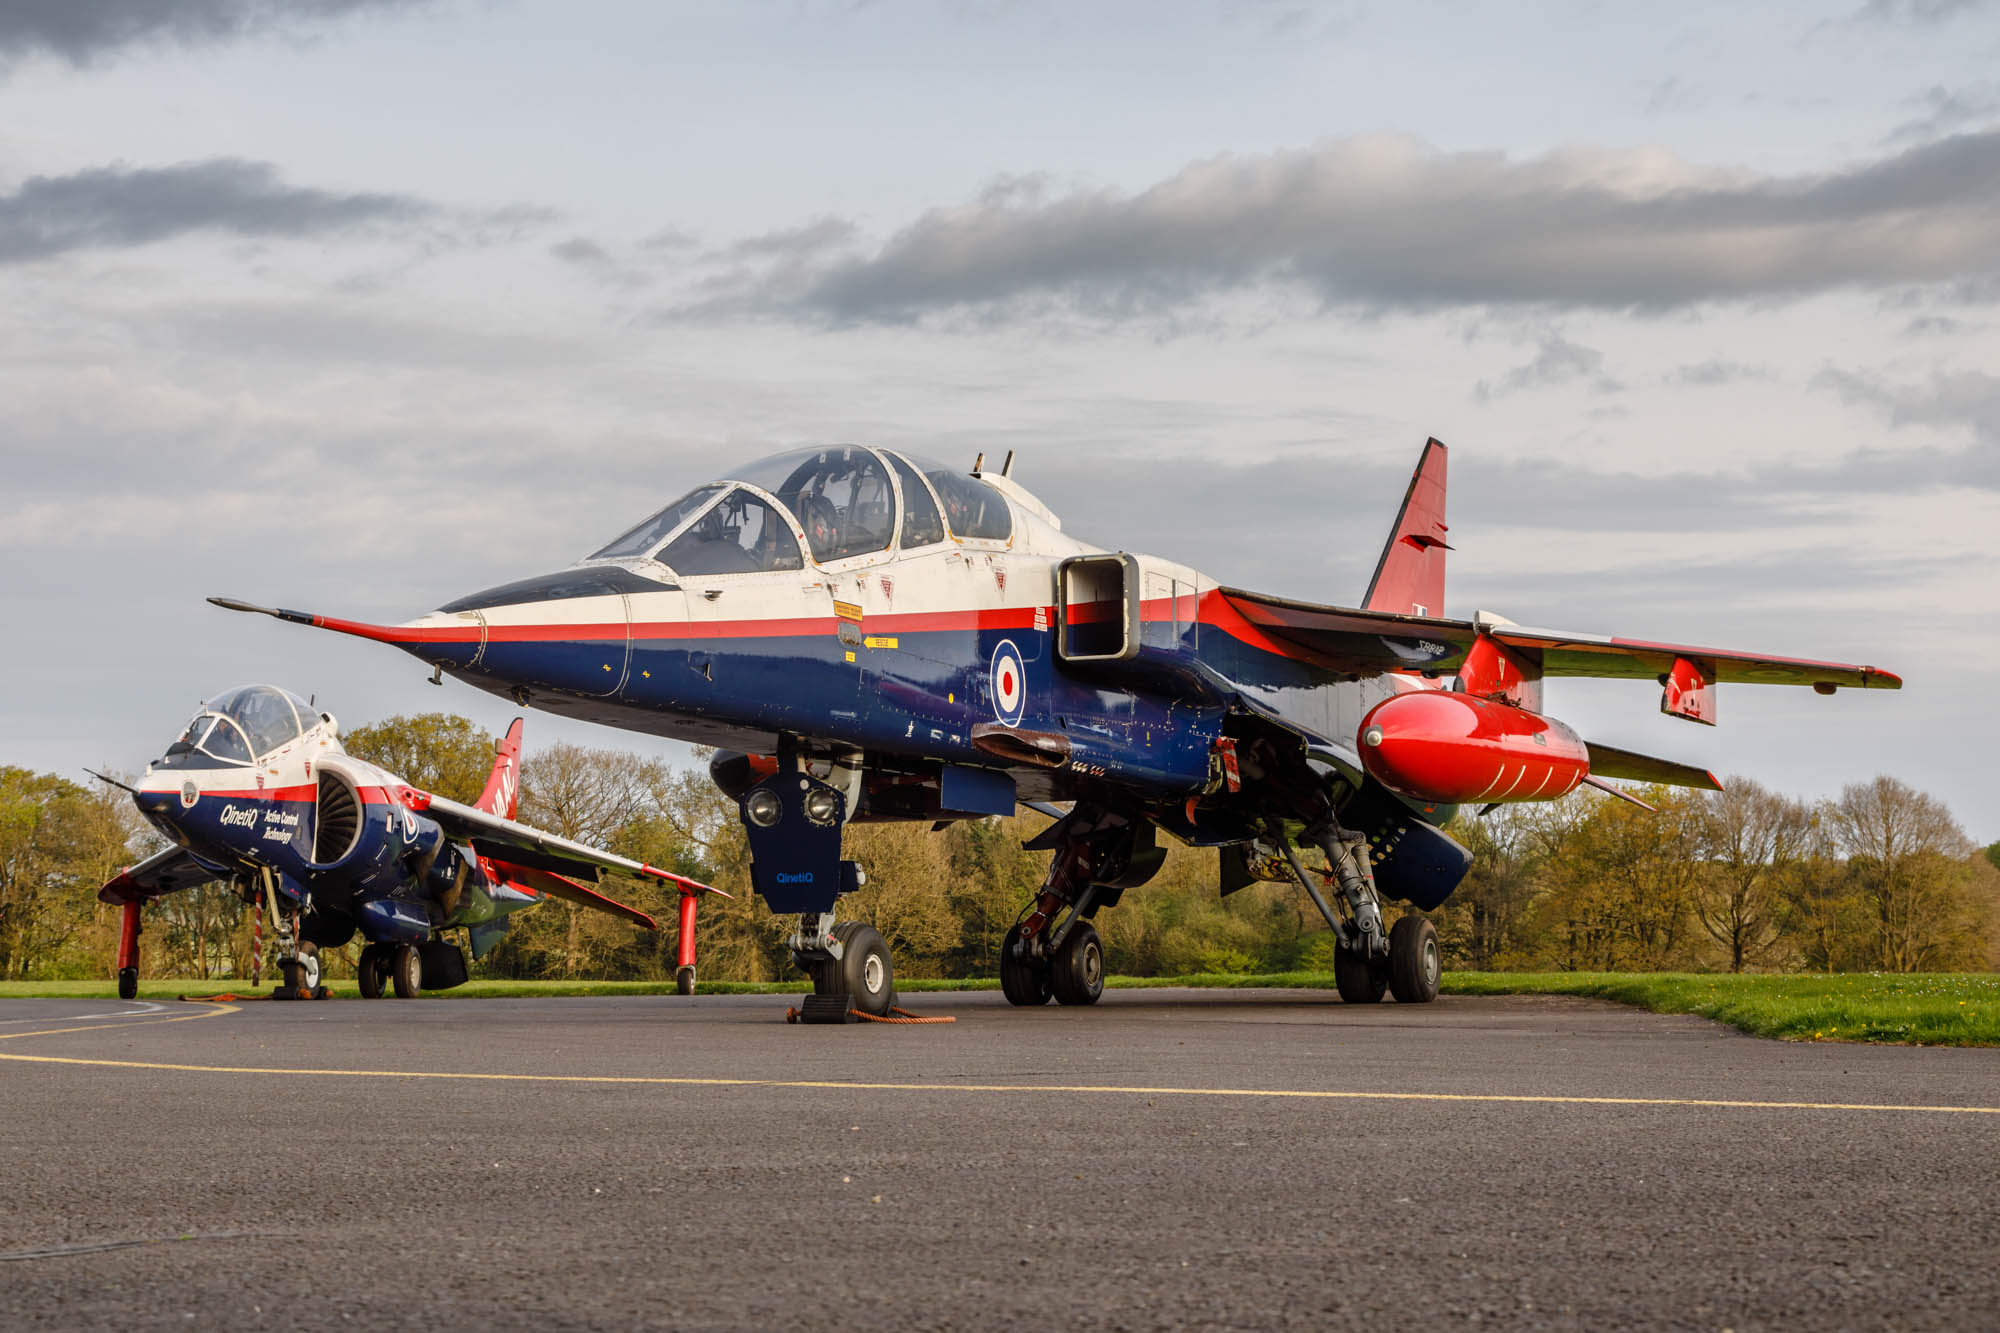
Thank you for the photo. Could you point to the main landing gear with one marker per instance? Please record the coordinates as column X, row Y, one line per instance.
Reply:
column 1054, row 952
column 399, row 966
column 1368, row 961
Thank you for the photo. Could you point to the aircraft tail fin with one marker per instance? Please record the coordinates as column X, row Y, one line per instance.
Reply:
column 503, row 786
column 1409, row 578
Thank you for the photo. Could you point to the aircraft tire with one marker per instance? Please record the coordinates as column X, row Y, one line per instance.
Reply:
column 1414, row 965
column 864, row 972
column 1076, row 975
column 369, row 972
column 684, row 981
column 1360, row 980
column 128, row 983
column 1020, row 980
column 406, row 971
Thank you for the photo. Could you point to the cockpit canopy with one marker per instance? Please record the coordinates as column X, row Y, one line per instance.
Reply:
column 238, row 727
column 841, row 499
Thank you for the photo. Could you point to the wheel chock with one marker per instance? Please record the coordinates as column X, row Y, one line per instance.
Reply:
column 826, row 1009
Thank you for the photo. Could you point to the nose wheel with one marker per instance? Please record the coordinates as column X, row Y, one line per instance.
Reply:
column 862, row 974
column 299, row 975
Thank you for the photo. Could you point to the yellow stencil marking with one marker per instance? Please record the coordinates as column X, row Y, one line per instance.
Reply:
column 1077, row 1089
column 877, row 641
column 846, row 610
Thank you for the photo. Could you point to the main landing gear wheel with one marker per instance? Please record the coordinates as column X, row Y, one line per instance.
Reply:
column 1076, row 973
column 1360, row 979
column 1414, row 969
column 128, row 983
column 371, row 971
column 862, row 972
column 684, row 981
column 406, row 971
column 1020, row 980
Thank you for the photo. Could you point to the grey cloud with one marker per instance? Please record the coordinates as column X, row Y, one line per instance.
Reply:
column 1388, row 222
column 1715, row 371
column 793, row 242
column 1936, row 326
column 580, row 250
column 1965, row 399
column 1919, row 13
column 1948, row 111
column 1558, row 362
column 81, row 31
column 119, row 206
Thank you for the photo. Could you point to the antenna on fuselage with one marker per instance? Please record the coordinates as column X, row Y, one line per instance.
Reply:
column 979, row 463
column 1007, row 468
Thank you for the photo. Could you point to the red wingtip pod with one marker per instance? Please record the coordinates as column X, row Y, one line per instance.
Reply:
column 1455, row 749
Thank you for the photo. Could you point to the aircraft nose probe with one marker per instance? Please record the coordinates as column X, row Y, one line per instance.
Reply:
column 232, row 604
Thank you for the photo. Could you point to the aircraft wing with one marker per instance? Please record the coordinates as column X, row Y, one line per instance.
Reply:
column 1369, row 643
column 520, row 845
column 555, row 886
column 1565, row 654
column 1347, row 639
column 155, row 877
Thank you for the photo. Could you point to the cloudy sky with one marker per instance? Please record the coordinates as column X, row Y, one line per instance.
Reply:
column 358, row 305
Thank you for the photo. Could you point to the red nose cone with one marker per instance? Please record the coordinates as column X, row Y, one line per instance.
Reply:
column 1453, row 749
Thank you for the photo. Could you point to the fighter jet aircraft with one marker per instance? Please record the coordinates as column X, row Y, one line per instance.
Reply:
column 868, row 635
column 258, row 792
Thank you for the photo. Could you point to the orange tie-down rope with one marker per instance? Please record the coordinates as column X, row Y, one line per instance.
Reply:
column 792, row 1015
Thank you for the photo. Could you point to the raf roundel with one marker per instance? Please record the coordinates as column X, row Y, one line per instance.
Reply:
column 1010, row 687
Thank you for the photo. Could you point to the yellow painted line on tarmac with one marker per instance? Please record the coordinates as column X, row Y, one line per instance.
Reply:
column 149, row 1020
column 1079, row 1089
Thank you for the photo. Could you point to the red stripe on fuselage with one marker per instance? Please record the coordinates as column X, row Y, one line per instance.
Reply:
column 1210, row 608
column 308, row 792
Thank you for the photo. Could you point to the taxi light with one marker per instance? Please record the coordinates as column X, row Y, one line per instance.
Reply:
column 821, row 806
column 763, row 808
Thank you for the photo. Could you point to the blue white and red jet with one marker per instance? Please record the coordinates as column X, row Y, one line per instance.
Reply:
column 258, row 792
column 868, row 635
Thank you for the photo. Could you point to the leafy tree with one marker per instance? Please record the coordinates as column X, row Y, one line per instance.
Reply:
column 1750, row 837
column 1909, row 857
column 1482, row 923
column 59, row 843
column 1993, row 854
column 440, row 752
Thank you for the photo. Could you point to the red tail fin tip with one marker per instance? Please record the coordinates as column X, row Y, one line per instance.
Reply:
column 503, row 785
column 1409, row 578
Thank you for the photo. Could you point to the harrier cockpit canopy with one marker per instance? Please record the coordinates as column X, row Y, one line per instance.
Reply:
column 240, row 726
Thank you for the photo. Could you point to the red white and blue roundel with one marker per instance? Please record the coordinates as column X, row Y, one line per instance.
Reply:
column 1010, row 686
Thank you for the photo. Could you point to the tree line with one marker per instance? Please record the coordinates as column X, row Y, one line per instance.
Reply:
column 1879, row 878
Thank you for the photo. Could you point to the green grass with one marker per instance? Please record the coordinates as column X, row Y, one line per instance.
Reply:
column 1924, row 1009
column 1947, row 1009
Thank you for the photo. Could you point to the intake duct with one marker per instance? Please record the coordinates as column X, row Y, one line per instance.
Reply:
column 337, row 822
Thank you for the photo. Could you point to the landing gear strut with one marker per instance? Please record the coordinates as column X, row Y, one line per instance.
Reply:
column 298, row 960
column 1054, row 951
column 128, row 953
column 794, row 820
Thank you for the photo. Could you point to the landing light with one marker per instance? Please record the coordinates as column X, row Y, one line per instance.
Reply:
column 763, row 807
column 821, row 805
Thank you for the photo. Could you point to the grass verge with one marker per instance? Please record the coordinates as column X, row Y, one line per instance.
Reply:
column 1928, row 1009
